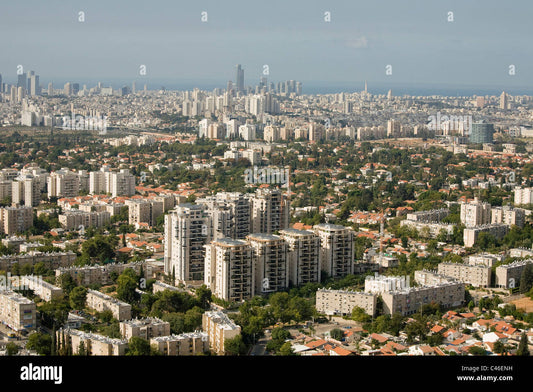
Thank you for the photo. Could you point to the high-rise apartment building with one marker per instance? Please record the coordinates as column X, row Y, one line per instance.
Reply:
column 63, row 183
column 187, row 230
column 303, row 255
column 336, row 249
column 270, row 211
column 270, row 257
column 475, row 213
column 229, row 269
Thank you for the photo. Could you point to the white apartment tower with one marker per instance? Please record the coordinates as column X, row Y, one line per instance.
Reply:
column 270, row 256
column 270, row 211
column 229, row 269
column 476, row 213
column 336, row 249
column 187, row 230
column 303, row 256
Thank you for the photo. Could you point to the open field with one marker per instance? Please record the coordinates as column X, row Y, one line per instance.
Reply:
column 524, row 303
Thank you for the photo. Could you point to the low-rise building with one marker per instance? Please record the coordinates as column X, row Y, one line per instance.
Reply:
column 17, row 311
column 192, row 343
column 342, row 302
column 94, row 344
column 219, row 327
column 43, row 289
column 146, row 328
column 50, row 259
column 101, row 302
column 476, row 275
column 508, row 275
column 471, row 234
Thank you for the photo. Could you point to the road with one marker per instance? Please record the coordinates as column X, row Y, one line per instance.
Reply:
column 259, row 349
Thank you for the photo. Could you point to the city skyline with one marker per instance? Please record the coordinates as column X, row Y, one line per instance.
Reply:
column 334, row 46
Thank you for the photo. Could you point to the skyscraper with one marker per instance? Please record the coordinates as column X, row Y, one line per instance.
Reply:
column 22, row 81
column 481, row 132
column 34, row 89
column 239, row 78
column 504, row 101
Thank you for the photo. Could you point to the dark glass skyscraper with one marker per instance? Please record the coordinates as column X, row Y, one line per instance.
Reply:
column 481, row 133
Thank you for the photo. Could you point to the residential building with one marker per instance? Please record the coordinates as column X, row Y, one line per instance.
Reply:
column 185, row 344
column 95, row 344
column 41, row 288
column 100, row 302
column 336, row 249
column 145, row 328
column 508, row 275
column 342, row 302
column 17, row 311
column 508, row 215
column 63, row 183
column 471, row 234
column 475, row 213
column 269, row 211
column 15, row 220
column 229, row 269
column 76, row 219
column 303, row 255
column 270, row 257
column 219, row 328
column 475, row 275
column 187, row 230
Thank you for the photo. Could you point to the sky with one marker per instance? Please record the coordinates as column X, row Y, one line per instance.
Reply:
column 199, row 42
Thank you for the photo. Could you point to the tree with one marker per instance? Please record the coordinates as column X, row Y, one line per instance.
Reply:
column 526, row 279
column 279, row 336
column 176, row 321
column 477, row 350
column 359, row 314
column 12, row 349
column 336, row 333
column 40, row 342
column 203, row 294
column 499, row 347
column 67, row 283
column 234, row 346
column 193, row 319
column 126, row 285
column 77, row 297
column 523, row 349
column 286, row 349
column 81, row 349
column 138, row 346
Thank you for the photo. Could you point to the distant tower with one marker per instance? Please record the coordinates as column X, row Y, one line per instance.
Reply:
column 239, row 78
column 504, row 102
column 366, row 88
column 389, row 95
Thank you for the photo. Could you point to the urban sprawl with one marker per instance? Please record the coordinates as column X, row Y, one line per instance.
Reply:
column 259, row 220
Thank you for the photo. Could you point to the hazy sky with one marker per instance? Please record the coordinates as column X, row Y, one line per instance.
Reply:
column 291, row 37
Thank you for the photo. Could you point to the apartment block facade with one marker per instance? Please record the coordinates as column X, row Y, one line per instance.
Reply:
column 219, row 327
column 17, row 311
column 101, row 302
